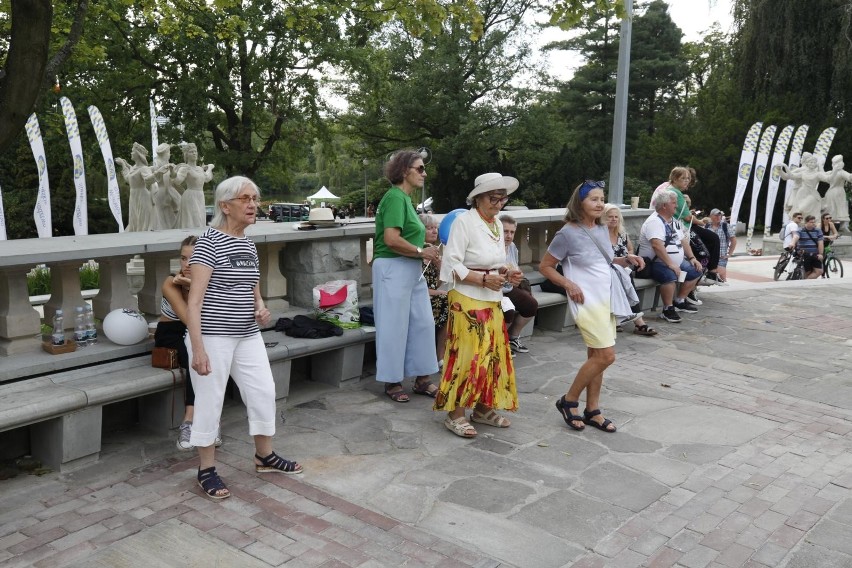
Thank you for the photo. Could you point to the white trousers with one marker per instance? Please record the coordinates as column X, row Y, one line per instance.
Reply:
column 244, row 359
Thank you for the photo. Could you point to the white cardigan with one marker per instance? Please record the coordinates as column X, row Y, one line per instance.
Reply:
column 471, row 245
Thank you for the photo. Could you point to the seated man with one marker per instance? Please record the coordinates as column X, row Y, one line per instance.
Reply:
column 810, row 241
column 524, row 302
column 663, row 240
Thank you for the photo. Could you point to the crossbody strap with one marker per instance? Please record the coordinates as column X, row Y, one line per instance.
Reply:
column 597, row 244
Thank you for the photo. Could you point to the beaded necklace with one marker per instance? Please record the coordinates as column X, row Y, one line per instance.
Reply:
column 492, row 226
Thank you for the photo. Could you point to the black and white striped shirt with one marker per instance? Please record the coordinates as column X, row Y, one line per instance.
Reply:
column 228, row 306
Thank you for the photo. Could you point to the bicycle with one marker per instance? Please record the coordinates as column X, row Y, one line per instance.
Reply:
column 831, row 265
column 798, row 272
column 782, row 263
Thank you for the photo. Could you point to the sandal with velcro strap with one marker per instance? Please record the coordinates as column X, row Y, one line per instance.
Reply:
column 212, row 484
column 273, row 463
column 589, row 414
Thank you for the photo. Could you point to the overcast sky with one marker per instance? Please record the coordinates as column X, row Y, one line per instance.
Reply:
column 692, row 16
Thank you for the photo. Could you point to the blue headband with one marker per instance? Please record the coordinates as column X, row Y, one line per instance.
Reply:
column 588, row 186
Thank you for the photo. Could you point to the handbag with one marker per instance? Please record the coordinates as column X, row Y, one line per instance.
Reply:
column 622, row 276
column 164, row 358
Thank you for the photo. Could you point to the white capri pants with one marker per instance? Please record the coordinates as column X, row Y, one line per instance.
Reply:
column 405, row 329
column 244, row 359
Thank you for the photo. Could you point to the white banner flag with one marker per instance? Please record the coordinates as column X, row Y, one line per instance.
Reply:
column 154, row 141
column 759, row 170
column 112, row 181
column 81, row 213
column 795, row 161
column 744, row 171
column 2, row 219
column 41, row 213
column 778, row 157
column 824, row 143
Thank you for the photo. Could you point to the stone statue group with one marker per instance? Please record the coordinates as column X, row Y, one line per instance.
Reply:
column 155, row 202
column 805, row 197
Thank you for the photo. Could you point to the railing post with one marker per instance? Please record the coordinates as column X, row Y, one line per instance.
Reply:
column 157, row 267
column 19, row 321
column 273, row 285
column 114, row 289
column 65, row 292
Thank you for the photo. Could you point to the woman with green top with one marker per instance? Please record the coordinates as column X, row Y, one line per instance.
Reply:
column 403, row 314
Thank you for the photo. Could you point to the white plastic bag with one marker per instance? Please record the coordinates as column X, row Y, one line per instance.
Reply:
column 337, row 302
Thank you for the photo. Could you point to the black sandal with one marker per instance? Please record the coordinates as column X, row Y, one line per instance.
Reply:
column 426, row 388
column 395, row 392
column 564, row 407
column 273, row 463
column 212, row 484
column 589, row 414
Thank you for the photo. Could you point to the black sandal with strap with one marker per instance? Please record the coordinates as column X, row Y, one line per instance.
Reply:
column 564, row 407
column 273, row 463
column 212, row 484
column 589, row 414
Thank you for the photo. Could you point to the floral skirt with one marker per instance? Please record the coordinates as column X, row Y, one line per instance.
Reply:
column 477, row 361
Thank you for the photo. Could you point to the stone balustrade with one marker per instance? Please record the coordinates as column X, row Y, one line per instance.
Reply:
column 292, row 262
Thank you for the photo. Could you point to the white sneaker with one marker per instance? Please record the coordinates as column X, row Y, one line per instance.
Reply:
column 184, row 432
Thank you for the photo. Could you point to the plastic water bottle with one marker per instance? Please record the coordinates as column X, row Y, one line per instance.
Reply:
column 58, row 336
column 91, row 330
column 80, row 333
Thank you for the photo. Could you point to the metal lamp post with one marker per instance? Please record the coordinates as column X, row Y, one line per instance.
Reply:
column 365, row 162
column 426, row 154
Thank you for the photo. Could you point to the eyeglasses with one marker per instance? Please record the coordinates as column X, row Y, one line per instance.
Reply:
column 827, row 218
column 421, row 169
column 246, row 198
column 495, row 199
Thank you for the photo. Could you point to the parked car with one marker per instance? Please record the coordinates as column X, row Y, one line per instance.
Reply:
column 283, row 212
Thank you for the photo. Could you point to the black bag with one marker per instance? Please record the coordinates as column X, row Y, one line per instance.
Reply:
column 645, row 272
column 548, row 286
column 303, row 326
column 699, row 249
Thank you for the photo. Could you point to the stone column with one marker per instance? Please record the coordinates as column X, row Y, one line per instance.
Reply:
column 114, row 290
column 65, row 291
column 365, row 292
column 273, row 285
column 19, row 321
column 308, row 263
column 157, row 267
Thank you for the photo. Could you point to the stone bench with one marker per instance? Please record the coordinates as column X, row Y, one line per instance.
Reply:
column 553, row 311
column 64, row 409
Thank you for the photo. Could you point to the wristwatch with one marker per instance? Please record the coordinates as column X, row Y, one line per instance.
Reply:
column 419, row 252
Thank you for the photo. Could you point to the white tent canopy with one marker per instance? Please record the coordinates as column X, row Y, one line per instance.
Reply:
column 323, row 193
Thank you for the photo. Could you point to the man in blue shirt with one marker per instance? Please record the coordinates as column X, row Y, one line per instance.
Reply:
column 810, row 241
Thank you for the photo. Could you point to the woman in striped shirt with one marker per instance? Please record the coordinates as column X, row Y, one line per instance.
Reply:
column 224, row 310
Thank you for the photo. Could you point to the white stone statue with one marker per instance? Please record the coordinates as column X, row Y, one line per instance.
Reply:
column 192, row 213
column 805, row 196
column 139, row 176
column 835, row 200
column 166, row 198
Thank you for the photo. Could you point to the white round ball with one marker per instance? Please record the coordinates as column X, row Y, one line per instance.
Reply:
column 125, row 327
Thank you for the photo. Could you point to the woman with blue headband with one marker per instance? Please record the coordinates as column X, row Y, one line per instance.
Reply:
column 580, row 247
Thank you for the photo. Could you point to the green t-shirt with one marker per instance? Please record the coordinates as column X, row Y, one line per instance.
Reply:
column 681, row 211
column 397, row 210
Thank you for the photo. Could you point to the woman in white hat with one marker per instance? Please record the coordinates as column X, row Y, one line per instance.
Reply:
column 478, row 371
column 401, row 305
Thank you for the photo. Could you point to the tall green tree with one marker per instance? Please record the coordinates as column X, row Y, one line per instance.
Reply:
column 451, row 91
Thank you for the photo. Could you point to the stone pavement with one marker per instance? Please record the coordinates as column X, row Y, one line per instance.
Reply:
column 733, row 450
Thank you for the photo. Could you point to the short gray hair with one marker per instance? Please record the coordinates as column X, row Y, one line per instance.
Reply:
column 225, row 191
column 662, row 197
column 428, row 220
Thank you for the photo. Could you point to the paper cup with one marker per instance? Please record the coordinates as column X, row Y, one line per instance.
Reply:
column 634, row 202
column 682, row 276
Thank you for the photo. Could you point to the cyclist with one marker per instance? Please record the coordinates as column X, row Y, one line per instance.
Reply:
column 810, row 241
column 791, row 231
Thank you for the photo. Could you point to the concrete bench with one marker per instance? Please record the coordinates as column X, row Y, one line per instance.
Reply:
column 553, row 311
column 64, row 409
